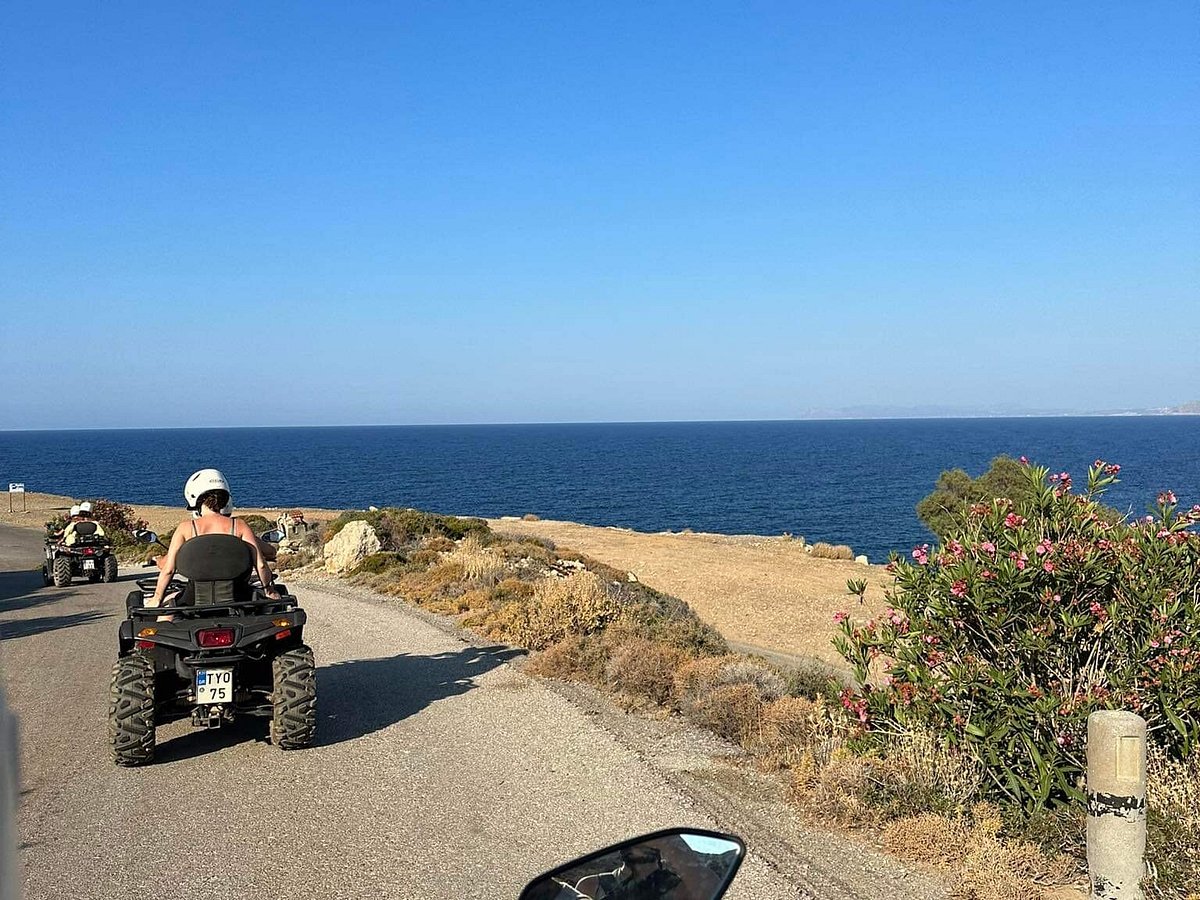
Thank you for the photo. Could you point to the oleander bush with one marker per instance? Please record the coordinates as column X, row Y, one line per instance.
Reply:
column 1026, row 618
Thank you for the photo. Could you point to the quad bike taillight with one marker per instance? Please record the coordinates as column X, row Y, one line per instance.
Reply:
column 209, row 638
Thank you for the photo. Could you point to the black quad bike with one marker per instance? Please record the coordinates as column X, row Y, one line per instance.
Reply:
column 228, row 651
column 90, row 557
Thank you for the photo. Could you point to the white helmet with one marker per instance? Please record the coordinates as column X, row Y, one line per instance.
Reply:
column 74, row 511
column 86, row 507
column 201, row 483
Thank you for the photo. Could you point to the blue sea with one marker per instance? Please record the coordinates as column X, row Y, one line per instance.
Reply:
column 852, row 482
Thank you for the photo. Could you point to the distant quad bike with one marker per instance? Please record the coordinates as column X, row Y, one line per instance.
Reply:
column 90, row 557
column 229, row 651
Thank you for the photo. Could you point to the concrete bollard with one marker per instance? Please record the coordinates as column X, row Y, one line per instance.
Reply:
column 1116, row 793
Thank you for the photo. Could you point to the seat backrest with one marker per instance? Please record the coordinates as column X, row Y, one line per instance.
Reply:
column 85, row 529
column 218, row 567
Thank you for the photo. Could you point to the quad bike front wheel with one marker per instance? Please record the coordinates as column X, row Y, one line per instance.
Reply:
column 294, row 699
column 62, row 571
column 110, row 569
column 131, row 711
column 47, row 578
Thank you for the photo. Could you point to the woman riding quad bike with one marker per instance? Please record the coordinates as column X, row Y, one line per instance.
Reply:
column 219, row 645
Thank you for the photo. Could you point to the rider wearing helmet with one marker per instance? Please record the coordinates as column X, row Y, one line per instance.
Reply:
column 208, row 496
column 79, row 514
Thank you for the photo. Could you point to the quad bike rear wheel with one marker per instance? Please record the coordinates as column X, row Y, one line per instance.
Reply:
column 62, row 571
column 294, row 699
column 131, row 711
column 110, row 569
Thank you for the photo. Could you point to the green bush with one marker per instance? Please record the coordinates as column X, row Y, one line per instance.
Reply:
column 1026, row 619
column 380, row 562
column 258, row 524
column 399, row 527
column 946, row 508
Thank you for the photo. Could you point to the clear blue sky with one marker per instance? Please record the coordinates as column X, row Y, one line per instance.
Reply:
column 473, row 212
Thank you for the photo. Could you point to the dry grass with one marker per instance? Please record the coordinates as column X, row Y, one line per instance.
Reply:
column 481, row 565
column 987, row 866
column 579, row 604
column 822, row 550
column 1173, row 825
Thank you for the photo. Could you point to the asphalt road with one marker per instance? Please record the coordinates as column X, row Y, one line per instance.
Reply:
column 440, row 772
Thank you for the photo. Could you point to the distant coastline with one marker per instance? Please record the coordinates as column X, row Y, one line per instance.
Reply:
column 847, row 414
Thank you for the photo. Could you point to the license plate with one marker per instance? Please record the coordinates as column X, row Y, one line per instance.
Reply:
column 89, row 564
column 214, row 686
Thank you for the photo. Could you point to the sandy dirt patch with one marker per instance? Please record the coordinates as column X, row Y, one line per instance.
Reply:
column 763, row 592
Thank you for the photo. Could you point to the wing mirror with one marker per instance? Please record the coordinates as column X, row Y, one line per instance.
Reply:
column 146, row 537
column 678, row 862
column 274, row 536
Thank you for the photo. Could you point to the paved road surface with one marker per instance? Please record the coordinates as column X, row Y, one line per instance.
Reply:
column 441, row 772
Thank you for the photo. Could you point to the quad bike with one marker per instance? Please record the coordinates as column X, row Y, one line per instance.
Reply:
column 90, row 557
column 227, row 650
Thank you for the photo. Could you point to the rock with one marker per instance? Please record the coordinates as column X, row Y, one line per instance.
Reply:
column 631, row 578
column 349, row 547
column 862, row 560
column 372, row 509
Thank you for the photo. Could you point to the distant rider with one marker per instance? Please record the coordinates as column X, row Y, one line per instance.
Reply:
column 85, row 515
column 208, row 496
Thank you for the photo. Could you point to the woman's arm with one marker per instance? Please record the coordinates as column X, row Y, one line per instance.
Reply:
column 167, row 566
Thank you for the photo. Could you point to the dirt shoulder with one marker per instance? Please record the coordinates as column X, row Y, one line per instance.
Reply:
column 760, row 592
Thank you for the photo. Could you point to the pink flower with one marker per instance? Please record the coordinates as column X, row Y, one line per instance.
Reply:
column 895, row 616
column 955, row 548
column 840, row 617
column 1112, row 470
column 1024, row 460
column 987, row 575
column 921, row 554
column 1048, row 566
column 1020, row 560
column 1167, row 498
column 1098, row 611
column 1045, row 547
column 959, row 588
column 988, row 547
column 1012, row 520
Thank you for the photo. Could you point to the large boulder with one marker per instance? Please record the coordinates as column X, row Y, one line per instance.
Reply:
column 349, row 547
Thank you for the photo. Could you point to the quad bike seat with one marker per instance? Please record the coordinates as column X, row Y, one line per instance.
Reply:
column 85, row 529
column 218, row 569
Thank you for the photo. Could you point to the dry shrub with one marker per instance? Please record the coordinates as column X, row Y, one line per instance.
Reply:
column 952, row 777
column 438, row 543
column 574, row 657
column 531, row 517
column 822, row 550
column 480, row 564
column 727, row 694
column 578, row 604
column 730, row 711
column 428, row 585
column 1172, row 825
column 987, row 866
column 644, row 668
